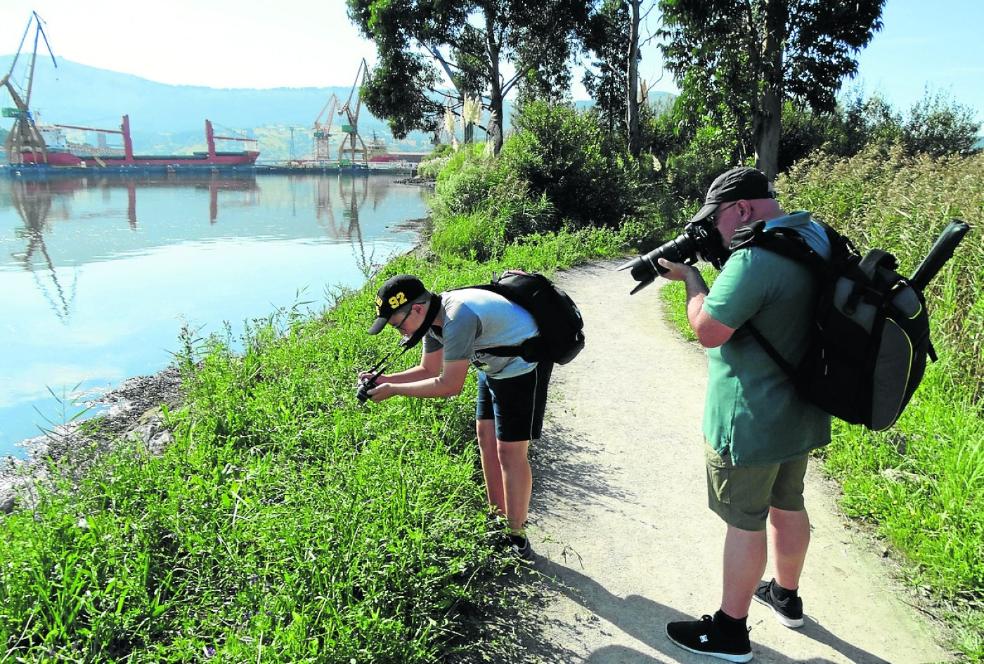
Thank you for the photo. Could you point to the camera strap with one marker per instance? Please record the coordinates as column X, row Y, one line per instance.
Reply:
column 433, row 309
column 409, row 342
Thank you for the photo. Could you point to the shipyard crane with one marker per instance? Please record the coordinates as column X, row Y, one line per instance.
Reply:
column 352, row 142
column 24, row 135
column 322, row 130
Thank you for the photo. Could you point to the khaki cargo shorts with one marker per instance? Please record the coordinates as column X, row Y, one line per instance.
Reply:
column 742, row 495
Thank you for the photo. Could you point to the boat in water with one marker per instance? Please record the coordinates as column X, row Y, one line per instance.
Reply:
column 34, row 147
column 58, row 152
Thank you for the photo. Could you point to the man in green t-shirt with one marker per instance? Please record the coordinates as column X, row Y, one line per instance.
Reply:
column 758, row 431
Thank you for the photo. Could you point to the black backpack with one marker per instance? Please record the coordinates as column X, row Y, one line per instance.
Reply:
column 870, row 340
column 557, row 317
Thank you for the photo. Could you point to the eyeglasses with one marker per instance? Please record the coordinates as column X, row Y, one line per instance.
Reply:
column 713, row 217
column 405, row 317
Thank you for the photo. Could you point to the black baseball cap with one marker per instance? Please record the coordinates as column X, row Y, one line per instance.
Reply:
column 397, row 292
column 738, row 184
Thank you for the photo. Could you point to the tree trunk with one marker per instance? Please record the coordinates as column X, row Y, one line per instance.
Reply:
column 495, row 119
column 495, row 83
column 632, row 85
column 768, row 124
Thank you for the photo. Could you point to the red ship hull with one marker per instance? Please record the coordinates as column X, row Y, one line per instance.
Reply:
column 212, row 158
column 87, row 161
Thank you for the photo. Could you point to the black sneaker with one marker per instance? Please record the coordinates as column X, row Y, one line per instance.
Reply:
column 521, row 547
column 705, row 638
column 788, row 611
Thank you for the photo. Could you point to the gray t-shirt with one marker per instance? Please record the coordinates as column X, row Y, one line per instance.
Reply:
column 475, row 319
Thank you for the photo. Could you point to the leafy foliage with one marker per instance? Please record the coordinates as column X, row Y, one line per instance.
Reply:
column 742, row 59
column 564, row 155
column 937, row 126
column 557, row 171
column 934, row 126
column 469, row 42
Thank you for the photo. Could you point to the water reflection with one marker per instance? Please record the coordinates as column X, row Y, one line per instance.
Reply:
column 34, row 210
column 97, row 274
column 40, row 203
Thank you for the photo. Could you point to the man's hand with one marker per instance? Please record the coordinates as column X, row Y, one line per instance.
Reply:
column 675, row 271
column 382, row 392
column 366, row 375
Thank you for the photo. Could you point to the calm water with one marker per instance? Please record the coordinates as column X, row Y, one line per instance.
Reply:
column 97, row 276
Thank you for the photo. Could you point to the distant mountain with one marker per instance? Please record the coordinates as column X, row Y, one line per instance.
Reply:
column 166, row 118
column 171, row 118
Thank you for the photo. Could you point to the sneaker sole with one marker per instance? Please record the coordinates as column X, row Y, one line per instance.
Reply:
column 720, row 655
column 792, row 623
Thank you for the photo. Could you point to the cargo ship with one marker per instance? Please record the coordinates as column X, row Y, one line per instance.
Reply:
column 31, row 146
column 58, row 152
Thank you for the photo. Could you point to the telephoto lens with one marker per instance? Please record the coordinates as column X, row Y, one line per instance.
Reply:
column 645, row 268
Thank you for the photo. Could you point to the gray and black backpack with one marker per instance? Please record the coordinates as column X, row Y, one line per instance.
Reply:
column 870, row 341
column 558, row 319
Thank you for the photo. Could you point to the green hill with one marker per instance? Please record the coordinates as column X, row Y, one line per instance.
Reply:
column 166, row 118
column 171, row 118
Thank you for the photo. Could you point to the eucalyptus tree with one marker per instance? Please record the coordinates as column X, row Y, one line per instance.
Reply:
column 744, row 57
column 607, row 80
column 485, row 48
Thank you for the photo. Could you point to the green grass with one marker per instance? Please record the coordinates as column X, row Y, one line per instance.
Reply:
column 921, row 484
column 286, row 522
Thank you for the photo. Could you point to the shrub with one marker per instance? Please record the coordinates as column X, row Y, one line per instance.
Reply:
column 938, row 126
column 561, row 153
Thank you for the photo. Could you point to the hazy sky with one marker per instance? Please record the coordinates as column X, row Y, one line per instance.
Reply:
column 292, row 43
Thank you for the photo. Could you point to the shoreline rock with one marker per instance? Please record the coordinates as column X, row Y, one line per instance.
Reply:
column 132, row 413
column 413, row 179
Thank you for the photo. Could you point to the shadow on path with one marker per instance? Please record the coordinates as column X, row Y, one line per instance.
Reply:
column 645, row 620
column 562, row 475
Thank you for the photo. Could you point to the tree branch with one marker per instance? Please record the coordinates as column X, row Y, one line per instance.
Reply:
column 507, row 86
column 648, row 11
column 437, row 55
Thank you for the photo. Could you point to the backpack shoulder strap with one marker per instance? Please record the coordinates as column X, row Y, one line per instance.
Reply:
column 771, row 350
column 783, row 241
column 502, row 351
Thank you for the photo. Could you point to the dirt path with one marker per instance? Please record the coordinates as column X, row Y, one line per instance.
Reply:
column 619, row 516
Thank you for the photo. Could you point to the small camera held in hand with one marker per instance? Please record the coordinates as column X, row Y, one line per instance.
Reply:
column 362, row 393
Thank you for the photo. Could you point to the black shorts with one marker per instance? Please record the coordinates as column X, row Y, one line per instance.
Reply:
column 516, row 404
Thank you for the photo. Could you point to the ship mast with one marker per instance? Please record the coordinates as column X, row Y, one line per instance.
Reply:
column 24, row 135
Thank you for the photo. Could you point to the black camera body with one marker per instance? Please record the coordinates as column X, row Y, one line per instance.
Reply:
column 362, row 394
column 699, row 240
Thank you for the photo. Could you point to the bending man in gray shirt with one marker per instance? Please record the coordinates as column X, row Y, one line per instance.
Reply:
column 457, row 326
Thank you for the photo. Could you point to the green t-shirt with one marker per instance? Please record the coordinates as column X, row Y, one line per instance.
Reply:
column 752, row 410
